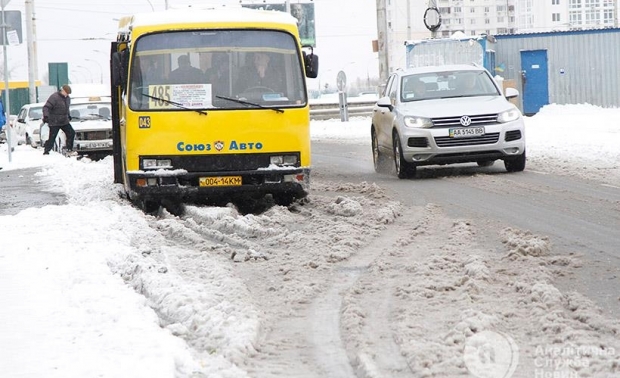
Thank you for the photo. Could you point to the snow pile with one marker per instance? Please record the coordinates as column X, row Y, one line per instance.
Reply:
column 447, row 291
column 589, row 150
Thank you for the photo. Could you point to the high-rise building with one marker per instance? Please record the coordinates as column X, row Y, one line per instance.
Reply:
column 475, row 17
column 405, row 19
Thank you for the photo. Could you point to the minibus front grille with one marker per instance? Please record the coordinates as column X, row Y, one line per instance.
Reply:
column 220, row 162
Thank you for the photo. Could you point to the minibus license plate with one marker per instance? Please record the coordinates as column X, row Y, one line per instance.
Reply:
column 220, row 181
column 466, row 132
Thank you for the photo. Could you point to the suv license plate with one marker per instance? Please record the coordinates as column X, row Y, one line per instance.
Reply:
column 466, row 132
column 220, row 181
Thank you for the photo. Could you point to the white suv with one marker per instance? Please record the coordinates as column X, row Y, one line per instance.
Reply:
column 443, row 115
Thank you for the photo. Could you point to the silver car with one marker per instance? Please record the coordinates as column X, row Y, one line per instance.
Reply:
column 444, row 115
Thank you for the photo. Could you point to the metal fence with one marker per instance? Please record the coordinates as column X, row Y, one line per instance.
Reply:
column 323, row 111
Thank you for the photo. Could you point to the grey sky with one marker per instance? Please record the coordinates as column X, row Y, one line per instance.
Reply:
column 80, row 31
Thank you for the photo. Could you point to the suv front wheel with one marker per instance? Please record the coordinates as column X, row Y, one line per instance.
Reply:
column 404, row 169
column 381, row 162
column 515, row 164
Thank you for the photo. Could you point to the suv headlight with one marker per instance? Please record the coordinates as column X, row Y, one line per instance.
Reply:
column 417, row 122
column 509, row 115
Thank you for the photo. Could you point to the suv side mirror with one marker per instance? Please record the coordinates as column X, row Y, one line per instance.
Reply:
column 511, row 93
column 385, row 102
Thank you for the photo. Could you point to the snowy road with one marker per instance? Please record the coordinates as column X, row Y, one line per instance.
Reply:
column 357, row 282
column 457, row 273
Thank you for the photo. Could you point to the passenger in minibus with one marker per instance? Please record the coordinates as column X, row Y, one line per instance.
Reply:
column 186, row 73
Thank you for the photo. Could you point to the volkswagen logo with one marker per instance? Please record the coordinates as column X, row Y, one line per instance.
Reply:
column 465, row 121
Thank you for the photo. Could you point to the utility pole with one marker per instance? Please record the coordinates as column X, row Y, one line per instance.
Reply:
column 7, row 104
column 408, row 20
column 32, row 50
column 382, row 41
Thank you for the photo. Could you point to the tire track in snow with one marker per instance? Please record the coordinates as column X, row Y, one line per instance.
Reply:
column 367, row 313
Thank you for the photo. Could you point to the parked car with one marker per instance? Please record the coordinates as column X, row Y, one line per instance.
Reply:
column 91, row 119
column 28, row 123
column 15, row 139
column 444, row 115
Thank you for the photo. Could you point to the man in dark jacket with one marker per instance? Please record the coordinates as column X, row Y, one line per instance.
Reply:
column 186, row 74
column 56, row 115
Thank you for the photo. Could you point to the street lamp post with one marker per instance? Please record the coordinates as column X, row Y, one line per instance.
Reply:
column 166, row 5
column 320, row 76
column 78, row 79
column 87, row 70
column 347, row 65
column 99, row 65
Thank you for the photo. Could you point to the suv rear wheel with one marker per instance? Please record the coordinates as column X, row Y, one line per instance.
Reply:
column 381, row 162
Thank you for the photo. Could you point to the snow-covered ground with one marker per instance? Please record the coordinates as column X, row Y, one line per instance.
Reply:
column 95, row 288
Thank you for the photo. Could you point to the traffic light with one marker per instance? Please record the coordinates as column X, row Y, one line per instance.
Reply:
column 13, row 20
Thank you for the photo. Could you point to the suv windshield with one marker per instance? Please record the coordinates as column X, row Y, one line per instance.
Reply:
column 434, row 85
column 211, row 69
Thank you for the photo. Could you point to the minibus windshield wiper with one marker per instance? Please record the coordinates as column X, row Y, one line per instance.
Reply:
column 249, row 103
column 174, row 103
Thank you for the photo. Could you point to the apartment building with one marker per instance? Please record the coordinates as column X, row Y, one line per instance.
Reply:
column 405, row 19
column 558, row 15
column 475, row 17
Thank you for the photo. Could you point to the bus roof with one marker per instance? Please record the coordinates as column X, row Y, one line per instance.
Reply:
column 224, row 16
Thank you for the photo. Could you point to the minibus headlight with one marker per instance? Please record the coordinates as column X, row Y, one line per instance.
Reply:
column 156, row 163
column 283, row 160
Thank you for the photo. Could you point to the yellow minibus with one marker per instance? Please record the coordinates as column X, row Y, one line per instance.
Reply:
column 211, row 105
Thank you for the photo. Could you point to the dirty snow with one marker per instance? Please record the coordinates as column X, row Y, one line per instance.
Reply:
column 348, row 282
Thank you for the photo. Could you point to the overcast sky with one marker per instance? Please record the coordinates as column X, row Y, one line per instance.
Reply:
column 79, row 32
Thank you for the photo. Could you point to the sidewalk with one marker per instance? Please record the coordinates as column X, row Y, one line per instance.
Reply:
column 19, row 187
column 19, row 190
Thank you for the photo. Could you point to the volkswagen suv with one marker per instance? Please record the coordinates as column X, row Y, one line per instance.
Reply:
column 444, row 115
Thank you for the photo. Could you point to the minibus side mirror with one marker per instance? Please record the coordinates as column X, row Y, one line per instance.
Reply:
column 311, row 63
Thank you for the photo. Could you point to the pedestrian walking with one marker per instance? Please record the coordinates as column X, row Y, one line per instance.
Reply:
column 56, row 115
column 8, row 128
column 2, row 115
